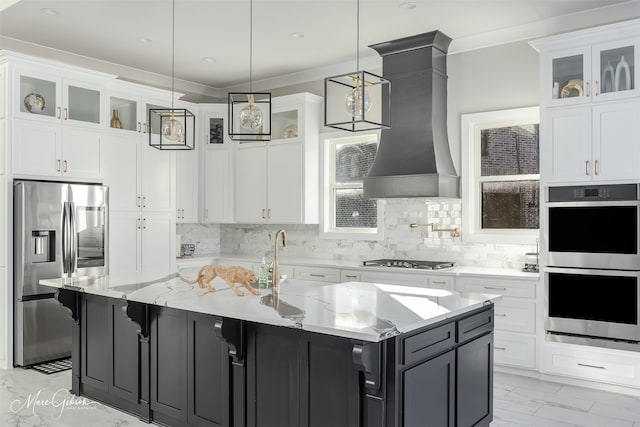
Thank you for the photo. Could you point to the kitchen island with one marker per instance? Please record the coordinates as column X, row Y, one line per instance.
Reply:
column 312, row 354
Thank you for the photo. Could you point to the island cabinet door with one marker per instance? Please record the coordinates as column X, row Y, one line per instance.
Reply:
column 475, row 382
column 207, row 373
column 168, row 339
column 110, row 369
column 428, row 393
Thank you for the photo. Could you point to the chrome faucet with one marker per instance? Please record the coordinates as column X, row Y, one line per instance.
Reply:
column 275, row 268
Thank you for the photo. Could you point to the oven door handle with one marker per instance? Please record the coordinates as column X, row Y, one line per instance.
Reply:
column 592, row 272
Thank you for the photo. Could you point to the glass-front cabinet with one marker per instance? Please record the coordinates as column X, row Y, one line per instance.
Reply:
column 50, row 98
column 285, row 124
column 606, row 71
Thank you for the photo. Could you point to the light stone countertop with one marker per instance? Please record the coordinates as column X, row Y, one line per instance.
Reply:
column 364, row 311
column 326, row 263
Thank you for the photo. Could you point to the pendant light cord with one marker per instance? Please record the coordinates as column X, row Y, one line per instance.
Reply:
column 173, row 47
column 358, row 35
column 251, row 46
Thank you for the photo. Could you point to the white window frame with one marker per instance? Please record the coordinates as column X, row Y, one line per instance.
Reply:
column 328, row 230
column 472, row 125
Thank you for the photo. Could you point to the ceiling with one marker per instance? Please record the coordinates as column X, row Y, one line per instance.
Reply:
column 109, row 31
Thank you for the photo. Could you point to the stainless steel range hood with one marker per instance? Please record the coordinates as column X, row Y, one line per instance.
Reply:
column 413, row 158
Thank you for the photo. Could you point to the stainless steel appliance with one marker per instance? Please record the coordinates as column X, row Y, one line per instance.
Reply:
column 422, row 265
column 592, row 272
column 593, row 226
column 60, row 230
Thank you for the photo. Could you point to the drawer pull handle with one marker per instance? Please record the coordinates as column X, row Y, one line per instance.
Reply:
column 591, row 366
column 495, row 288
column 439, row 282
column 500, row 315
column 350, row 276
column 500, row 348
column 316, row 275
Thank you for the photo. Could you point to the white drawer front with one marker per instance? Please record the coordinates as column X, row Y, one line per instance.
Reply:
column 349, row 276
column 517, row 350
column 597, row 365
column 407, row 279
column 515, row 315
column 441, row 283
column 505, row 287
column 318, row 274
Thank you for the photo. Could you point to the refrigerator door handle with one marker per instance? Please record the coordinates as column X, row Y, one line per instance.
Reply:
column 73, row 249
column 66, row 250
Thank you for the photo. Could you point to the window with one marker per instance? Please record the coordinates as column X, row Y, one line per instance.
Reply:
column 501, row 175
column 345, row 211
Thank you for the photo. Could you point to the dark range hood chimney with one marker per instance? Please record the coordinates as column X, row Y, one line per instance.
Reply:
column 413, row 158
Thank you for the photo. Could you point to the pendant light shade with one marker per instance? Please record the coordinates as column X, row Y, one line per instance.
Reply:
column 172, row 128
column 250, row 112
column 359, row 100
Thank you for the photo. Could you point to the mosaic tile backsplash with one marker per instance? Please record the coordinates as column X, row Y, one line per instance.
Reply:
column 303, row 241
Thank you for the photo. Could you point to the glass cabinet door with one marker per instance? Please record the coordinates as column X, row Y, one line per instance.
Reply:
column 570, row 78
column 285, row 124
column 615, row 70
column 38, row 96
column 82, row 104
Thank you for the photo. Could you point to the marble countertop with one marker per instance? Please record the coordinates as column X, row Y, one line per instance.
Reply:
column 349, row 264
column 364, row 311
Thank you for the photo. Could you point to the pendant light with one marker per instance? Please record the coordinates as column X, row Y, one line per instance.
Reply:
column 357, row 101
column 250, row 112
column 177, row 125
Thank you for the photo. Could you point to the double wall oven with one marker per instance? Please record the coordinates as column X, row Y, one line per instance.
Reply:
column 592, row 272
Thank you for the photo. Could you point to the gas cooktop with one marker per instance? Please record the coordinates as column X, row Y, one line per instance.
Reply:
column 422, row 265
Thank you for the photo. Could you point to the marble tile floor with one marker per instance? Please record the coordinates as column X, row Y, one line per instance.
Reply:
column 29, row 398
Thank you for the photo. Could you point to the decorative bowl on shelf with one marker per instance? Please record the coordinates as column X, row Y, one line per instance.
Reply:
column 34, row 102
column 291, row 131
column 571, row 88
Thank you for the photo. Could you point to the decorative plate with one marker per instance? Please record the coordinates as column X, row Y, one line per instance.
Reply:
column 571, row 88
column 291, row 131
column 34, row 102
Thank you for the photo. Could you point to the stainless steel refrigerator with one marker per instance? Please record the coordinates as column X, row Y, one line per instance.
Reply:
column 60, row 230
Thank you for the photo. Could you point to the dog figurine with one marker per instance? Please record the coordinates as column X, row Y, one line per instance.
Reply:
column 231, row 275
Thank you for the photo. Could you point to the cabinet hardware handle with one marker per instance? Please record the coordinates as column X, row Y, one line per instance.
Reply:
column 268, row 213
column 595, row 88
column 499, row 348
column 316, row 275
column 182, row 213
column 206, row 214
column 495, row 288
column 138, row 223
column 591, row 366
column 586, row 167
column 350, row 276
column 439, row 282
column 139, row 127
column 144, row 128
column 65, row 166
column 595, row 167
column 263, row 212
column 138, row 204
column 144, row 201
column 66, row 113
column 58, row 115
column 58, row 167
column 587, row 91
column 144, row 223
column 500, row 315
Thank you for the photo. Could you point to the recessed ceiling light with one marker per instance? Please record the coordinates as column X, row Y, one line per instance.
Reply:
column 144, row 40
column 296, row 35
column 408, row 5
column 209, row 59
column 49, row 11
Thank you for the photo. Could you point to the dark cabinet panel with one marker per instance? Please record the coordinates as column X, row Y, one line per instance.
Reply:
column 475, row 382
column 208, row 374
column 95, row 342
column 124, row 378
column 168, row 363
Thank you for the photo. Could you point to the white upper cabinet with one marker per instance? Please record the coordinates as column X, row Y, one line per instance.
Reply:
column 277, row 181
column 583, row 67
column 590, row 127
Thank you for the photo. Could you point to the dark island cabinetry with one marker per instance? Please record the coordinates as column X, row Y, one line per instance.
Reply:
column 181, row 368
